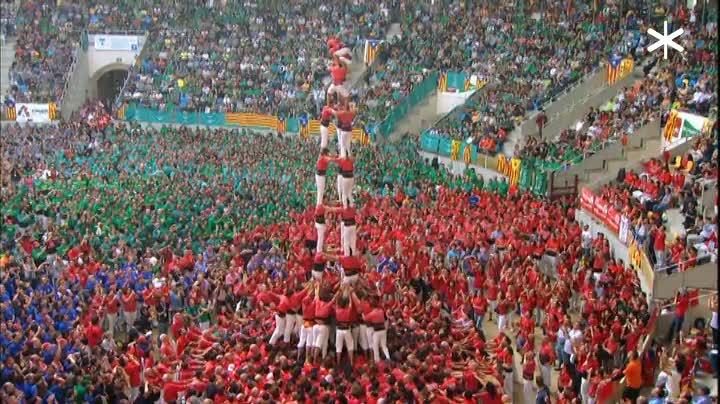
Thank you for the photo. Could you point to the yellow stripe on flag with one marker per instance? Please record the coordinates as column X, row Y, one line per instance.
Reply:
column 442, row 83
column 515, row 165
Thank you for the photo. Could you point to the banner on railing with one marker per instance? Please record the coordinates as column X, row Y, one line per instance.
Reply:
column 22, row 112
column 640, row 263
column 681, row 126
column 606, row 213
column 260, row 121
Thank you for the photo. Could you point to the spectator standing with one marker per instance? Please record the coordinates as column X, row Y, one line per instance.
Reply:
column 633, row 378
column 541, row 121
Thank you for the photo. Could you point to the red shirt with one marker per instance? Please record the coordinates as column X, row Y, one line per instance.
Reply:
column 346, row 165
column 112, row 305
column 348, row 213
column 375, row 316
column 351, row 265
column 308, row 308
column 345, row 119
column 659, row 243
column 94, row 335
column 133, row 370
column 338, row 73
column 326, row 114
column 129, row 302
column 323, row 163
column 323, row 309
column 682, row 305
column 343, row 314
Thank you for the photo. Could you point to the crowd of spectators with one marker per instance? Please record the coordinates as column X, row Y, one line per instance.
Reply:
column 529, row 61
column 264, row 58
column 646, row 196
column 685, row 82
column 47, row 37
column 185, row 227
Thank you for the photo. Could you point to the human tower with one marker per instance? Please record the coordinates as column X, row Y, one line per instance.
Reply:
column 334, row 306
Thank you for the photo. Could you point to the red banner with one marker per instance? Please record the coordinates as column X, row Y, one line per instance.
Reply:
column 587, row 199
column 613, row 220
column 600, row 209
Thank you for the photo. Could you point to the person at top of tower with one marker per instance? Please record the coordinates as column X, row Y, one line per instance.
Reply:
column 338, row 48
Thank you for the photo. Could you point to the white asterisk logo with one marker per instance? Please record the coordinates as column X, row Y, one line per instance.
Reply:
column 665, row 40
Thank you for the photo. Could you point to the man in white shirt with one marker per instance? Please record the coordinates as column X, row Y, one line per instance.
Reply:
column 586, row 241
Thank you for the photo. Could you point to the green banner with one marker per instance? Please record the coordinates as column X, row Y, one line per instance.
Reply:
column 142, row 114
column 416, row 96
column 456, row 80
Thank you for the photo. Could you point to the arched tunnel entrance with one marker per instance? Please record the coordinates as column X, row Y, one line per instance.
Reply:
column 110, row 83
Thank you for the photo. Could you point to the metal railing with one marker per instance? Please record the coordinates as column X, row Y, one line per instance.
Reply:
column 68, row 75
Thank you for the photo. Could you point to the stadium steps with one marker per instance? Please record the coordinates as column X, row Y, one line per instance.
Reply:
column 7, row 56
column 571, row 106
column 418, row 118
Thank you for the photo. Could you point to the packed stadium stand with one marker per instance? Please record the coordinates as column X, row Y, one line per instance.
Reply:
column 216, row 202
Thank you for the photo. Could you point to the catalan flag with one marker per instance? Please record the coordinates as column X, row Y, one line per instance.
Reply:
column 515, row 166
column 372, row 47
column 467, row 154
column 613, row 69
column 52, row 111
column 281, row 124
column 672, row 125
column 455, row 150
column 304, row 126
column 468, row 85
column 442, row 82
column 10, row 113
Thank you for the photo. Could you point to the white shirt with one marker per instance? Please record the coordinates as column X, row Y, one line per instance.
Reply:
column 672, row 384
column 714, row 321
column 586, row 239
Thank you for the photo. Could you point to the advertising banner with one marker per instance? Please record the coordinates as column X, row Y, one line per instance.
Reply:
column 681, row 126
column 587, row 199
column 32, row 112
column 117, row 43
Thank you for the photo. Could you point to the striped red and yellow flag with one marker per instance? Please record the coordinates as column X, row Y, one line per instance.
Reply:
column 455, row 150
column 467, row 154
column 671, row 126
column 251, row 120
column 372, row 47
column 613, row 72
column 10, row 113
column 515, row 166
column 502, row 165
column 442, row 83
column 281, row 125
column 52, row 111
